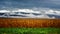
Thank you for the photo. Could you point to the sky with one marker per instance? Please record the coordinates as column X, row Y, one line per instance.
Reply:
column 48, row 7
column 53, row 4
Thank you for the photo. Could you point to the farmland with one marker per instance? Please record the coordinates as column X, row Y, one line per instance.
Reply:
column 29, row 22
column 29, row 26
column 29, row 31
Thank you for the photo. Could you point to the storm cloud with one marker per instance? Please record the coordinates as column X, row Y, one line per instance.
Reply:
column 54, row 4
column 34, row 7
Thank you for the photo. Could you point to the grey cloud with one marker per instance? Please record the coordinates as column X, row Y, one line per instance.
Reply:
column 55, row 4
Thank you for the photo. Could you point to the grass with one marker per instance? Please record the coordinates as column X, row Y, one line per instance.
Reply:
column 29, row 30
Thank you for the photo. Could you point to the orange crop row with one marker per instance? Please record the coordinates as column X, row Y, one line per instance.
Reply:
column 29, row 22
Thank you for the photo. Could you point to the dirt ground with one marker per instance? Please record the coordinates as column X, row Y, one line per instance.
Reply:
column 29, row 22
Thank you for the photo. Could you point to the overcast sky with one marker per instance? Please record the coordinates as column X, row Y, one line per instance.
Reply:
column 51, row 7
column 53, row 4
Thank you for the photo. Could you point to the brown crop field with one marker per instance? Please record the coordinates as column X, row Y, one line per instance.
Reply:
column 29, row 22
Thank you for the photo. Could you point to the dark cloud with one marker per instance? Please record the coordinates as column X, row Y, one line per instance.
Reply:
column 29, row 4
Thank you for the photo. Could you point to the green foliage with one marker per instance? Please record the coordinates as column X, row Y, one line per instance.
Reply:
column 29, row 30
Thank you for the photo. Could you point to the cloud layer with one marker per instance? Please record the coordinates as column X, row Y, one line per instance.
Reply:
column 36, row 8
column 33, row 13
column 7, row 4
